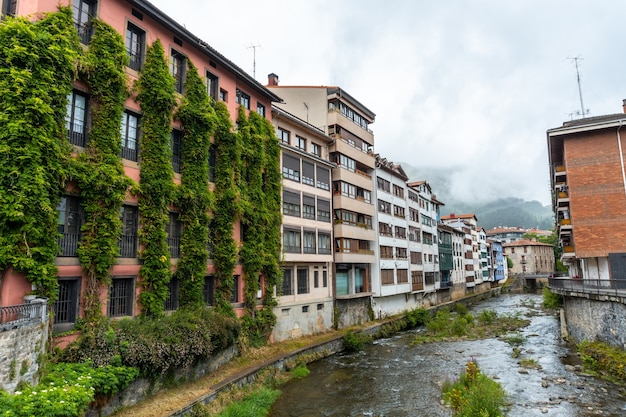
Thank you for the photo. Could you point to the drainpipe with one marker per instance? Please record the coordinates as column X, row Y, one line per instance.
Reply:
column 621, row 156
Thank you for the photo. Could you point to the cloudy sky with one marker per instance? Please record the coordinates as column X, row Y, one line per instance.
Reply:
column 466, row 85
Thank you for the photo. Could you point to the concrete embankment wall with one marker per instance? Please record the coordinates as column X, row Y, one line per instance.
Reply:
column 596, row 319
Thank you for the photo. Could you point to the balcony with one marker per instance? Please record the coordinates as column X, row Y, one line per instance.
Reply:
column 15, row 316
column 601, row 287
column 568, row 252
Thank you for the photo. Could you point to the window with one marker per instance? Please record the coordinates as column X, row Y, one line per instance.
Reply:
column 212, row 161
column 243, row 99
column 383, row 184
column 300, row 142
column 291, row 203
column 398, row 191
column 260, row 109
column 316, row 149
column 128, row 239
column 171, row 302
column 323, row 210
column 414, row 234
column 208, row 290
column 130, row 136
column 316, row 278
column 363, row 195
column 343, row 245
column 386, row 252
column 384, row 229
column 417, row 278
column 76, row 118
column 68, row 225
column 177, row 69
column 348, row 190
column 283, row 135
column 224, row 95
column 135, row 45
column 384, row 207
column 176, row 140
column 66, row 305
column 347, row 163
column 401, row 253
column 324, row 279
column 342, row 286
column 398, row 211
column 9, row 7
column 308, row 207
column 323, row 240
column 400, row 232
column 386, row 276
column 291, row 167
column 403, row 276
column 121, row 297
column 414, row 215
column 308, row 173
column 308, row 242
column 416, row 258
column 291, row 241
column 234, row 290
column 303, row 280
column 288, row 282
column 174, row 230
column 84, row 12
column 323, row 178
column 212, row 85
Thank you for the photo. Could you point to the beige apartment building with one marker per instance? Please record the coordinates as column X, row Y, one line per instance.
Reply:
column 346, row 121
column 305, row 302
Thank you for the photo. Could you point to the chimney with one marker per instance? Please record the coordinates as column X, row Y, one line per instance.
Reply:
column 624, row 105
column 272, row 80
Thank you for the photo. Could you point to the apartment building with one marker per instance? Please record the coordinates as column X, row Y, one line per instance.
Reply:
column 498, row 261
column 390, row 280
column 468, row 224
column 423, row 246
column 141, row 24
column 305, row 302
column 586, row 158
column 530, row 257
column 446, row 261
column 347, row 121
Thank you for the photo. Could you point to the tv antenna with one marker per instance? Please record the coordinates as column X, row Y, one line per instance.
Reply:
column 253, row 47
column 583, row 112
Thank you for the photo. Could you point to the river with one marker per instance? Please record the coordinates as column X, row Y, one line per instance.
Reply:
column 391, row 378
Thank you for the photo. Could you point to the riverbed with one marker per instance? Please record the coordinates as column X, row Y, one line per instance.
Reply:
column 393, row 378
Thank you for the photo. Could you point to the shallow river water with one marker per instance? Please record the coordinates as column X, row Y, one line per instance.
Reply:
column 391, row 378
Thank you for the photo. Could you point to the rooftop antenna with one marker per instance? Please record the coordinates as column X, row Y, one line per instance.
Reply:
column 253, row 47
column 580, row 93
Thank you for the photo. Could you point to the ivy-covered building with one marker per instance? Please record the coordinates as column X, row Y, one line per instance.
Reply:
column 167, row 174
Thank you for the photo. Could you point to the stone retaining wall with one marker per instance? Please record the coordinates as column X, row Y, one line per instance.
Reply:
column 20, row 349
column 596, row 319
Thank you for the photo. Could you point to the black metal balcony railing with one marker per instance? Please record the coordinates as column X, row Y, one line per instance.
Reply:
column 15, row 316
column 127, row 246
column 174, row 244
column 589, row 286
column 77, row 136
column 68, row 242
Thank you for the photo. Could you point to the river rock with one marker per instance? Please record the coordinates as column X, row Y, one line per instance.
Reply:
column 570, row 368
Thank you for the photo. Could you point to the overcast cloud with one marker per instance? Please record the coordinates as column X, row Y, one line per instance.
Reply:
column 467, row 85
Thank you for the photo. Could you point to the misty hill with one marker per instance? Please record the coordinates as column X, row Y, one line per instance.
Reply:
column 504, row 211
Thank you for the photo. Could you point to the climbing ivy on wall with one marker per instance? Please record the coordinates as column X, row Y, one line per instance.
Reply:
column 98, row 172
column 38, row 66
column 157, row 96
column 227, row 207
column 260, row 251
column 193, row 195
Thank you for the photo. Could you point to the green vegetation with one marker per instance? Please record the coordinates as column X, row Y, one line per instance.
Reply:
column 354, row 342
column 193, row 196
column 603, row 359
column 158, row 345
column 257, row 404
column 300, row 371
column 551, row 300
column 156, row 93
column 36, row 75
column 67, row 390
column 474, row 394
column 445, row 325
column 529, row 363
column 416, row 317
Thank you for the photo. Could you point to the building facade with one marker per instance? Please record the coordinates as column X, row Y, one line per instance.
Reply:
column 587, row 168
column 530, row 257
column 347, row 121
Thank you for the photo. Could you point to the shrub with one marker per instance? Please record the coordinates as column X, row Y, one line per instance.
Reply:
column 552, row 300
column 416, row 317
column 487, row 316
column 600, row 357
column 300, row 371
column 354, row 342
column 474, row 394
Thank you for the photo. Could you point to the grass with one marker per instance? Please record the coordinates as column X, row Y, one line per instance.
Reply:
column 551, row 300
column 604, row 360
column 447, row 326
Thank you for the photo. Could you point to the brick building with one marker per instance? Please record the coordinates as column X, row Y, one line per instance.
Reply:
column 587, row 175
column 530, row 257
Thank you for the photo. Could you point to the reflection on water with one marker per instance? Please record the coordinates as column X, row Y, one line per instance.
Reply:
column 394, row 379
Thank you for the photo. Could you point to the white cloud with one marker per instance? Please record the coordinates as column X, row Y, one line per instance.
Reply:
column 470, row 85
